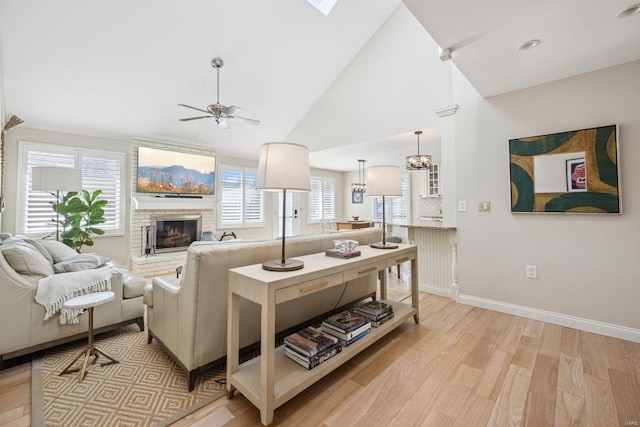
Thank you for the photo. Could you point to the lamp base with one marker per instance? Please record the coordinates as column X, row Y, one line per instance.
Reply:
column 381, row 245
column 277, row 265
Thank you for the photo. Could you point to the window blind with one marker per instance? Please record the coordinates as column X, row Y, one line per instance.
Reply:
column 241, row 203
column 100, row 170
column 322, row 199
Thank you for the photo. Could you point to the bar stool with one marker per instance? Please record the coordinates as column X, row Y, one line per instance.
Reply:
column 88, row 301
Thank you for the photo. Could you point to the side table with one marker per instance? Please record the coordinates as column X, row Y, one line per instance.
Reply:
column 88, row 301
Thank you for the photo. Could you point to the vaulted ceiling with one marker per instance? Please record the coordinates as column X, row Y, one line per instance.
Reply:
column 119, row 68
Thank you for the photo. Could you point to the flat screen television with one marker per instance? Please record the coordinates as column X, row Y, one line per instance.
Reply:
column 174, row 172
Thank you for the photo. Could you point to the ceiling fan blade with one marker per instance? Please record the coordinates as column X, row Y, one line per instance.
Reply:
column 223, row 124
column 232, row 109
column 244, row 120
column 194, row 108
column 196, row 118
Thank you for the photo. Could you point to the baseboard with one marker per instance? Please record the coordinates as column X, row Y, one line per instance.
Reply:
column 611, row 330
column 435, row 290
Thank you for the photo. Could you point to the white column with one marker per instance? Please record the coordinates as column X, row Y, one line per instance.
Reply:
column 448, row 164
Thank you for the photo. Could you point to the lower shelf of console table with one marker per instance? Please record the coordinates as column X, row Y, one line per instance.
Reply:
column 272, row 379
column 291, row 378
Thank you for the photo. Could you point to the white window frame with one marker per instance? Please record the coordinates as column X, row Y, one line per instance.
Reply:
column 243, row 223
column 24, row 147
column 324, row 215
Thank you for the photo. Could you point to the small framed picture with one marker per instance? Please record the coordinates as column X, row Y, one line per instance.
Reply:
column 576, row 175
column 356, row 197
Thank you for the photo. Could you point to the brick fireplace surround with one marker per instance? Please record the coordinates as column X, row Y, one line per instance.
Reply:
column 144, row 206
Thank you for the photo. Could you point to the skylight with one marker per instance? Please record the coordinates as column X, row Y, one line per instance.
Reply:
column 323, row 6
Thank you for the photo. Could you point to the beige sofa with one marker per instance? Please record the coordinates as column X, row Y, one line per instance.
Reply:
column 22, row 326
column 189, row 316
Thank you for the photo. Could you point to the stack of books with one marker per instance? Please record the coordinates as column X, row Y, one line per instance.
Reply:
column 376, row 311
column 347, row 326
column 337, row 253
column 310, row 347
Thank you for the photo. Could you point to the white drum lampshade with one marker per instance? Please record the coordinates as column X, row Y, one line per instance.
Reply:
column 383, row 181
column 283, row 167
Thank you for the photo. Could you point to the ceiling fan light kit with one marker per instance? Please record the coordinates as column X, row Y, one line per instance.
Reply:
column 217, row 111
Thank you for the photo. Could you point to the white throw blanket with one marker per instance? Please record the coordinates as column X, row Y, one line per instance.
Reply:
column 54, row 290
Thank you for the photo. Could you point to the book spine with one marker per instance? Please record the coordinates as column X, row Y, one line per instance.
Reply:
column 382, row 321
column 379, row 313
column 344, row 336
column 317, row 356
column 354, row 339
column 339, row 326
column 314, row 361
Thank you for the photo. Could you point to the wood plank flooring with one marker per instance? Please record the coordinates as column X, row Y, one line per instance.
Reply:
column 461, row 366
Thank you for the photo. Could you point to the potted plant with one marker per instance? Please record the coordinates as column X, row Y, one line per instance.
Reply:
column 80, row 213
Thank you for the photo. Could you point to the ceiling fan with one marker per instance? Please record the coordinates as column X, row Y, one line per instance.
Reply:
column 218, row 111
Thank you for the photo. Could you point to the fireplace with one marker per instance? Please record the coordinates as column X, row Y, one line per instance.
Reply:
column 175, row 232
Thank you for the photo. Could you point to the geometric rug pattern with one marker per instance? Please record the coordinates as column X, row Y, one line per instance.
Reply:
column 144, row 389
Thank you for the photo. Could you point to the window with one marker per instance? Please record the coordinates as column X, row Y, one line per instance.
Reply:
column 396, row 208
column 101, row 170
column 241, row 204
column 322, row 199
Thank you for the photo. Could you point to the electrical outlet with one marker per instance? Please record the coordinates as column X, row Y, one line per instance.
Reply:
column 462, row 206
column 532, row 272
column 484, row 206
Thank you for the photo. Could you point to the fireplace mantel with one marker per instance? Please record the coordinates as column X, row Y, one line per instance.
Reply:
column 153, row 203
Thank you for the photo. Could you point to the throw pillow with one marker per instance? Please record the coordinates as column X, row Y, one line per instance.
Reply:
column 58, row 250
column 35, row 243
column 26, row 259
column 79, row 262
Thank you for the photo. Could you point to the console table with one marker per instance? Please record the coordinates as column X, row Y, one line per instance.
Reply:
column 272, row 379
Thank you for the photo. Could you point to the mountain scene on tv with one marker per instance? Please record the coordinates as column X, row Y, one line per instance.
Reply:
column 175, row 179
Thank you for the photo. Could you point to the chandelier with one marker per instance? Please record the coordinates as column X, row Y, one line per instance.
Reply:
column 418, row 161
column 360, row 186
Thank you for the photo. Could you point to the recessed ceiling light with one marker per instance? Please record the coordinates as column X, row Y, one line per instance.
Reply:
column 631, row 10
column 529, row 45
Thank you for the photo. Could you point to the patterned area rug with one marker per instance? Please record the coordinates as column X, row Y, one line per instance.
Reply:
column 145, row 389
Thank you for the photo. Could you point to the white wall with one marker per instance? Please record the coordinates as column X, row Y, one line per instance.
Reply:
column 392, row 86
column 587, row 264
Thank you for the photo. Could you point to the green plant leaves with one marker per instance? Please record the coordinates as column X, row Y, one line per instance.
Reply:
column 80, row 213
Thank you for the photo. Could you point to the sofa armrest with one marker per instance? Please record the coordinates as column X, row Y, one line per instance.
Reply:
column 168, row 285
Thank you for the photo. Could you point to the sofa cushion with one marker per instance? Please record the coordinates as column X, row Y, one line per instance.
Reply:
column 79, row 262
column 133, row 284
column 58, row 250
column 25, row 258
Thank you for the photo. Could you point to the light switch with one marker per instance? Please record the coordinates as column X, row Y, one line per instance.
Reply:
column 462, row 205
column 484, row 206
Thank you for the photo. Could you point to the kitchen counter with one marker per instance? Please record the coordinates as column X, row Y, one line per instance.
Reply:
column 426, row 223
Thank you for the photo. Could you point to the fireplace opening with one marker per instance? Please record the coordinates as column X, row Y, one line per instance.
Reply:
column 175, row 232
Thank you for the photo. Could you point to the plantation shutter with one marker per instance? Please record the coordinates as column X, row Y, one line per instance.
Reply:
column 231, row 209
column 322, row 199
column 241, row 203
column 100, row 170
column 253, row 199
column 39, row 214
column 104, row 174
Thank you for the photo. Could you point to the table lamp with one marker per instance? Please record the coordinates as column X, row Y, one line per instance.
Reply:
column 283, row 167
column 383, row 181
column 53, row 178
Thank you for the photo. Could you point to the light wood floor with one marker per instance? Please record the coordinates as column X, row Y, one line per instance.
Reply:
column 461, row 366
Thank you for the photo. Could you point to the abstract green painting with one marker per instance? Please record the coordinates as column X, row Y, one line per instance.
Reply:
column 574, row 172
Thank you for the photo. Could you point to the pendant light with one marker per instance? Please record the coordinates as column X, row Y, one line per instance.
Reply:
column 360, row 186
column 419, row 161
